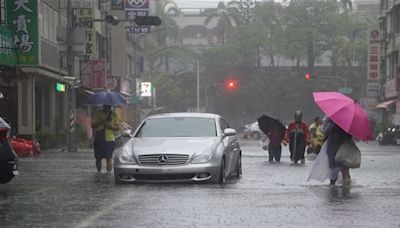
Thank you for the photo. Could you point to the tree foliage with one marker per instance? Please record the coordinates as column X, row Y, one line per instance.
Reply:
column 255, row 52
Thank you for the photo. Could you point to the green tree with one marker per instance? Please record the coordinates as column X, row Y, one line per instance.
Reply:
column 308, row 28
column 226, row 15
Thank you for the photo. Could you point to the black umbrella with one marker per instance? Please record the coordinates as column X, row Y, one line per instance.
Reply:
column 265, row 123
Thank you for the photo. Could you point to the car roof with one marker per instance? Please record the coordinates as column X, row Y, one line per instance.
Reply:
column 185, row 114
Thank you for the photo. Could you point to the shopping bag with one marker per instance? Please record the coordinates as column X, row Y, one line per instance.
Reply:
column 320, row 169
column 348, row 155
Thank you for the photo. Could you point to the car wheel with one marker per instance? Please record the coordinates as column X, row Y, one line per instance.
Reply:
column 222, row 173
column 255, row 135
column 6, row 177
column 239, row 166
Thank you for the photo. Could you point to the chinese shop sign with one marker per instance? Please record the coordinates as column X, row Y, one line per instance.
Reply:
column 7, row 48
column 373, row 55
column 22, row 20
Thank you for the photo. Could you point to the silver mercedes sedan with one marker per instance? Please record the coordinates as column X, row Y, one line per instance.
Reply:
column 179, row 147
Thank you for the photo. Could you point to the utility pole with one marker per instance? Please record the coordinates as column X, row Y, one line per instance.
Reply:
column 198, row 83
column 72, row 96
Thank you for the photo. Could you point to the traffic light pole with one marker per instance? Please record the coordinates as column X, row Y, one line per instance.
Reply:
column 198, row 84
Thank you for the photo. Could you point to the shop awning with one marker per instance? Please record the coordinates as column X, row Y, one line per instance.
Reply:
column 386, row 104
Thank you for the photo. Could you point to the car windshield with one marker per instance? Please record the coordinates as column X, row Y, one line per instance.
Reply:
column 178, row 127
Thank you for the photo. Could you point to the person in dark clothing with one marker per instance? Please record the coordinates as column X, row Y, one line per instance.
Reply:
column 275, row 139
column 334, row 137
column 298, row 137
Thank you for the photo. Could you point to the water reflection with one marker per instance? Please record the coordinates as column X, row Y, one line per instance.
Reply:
column 335, row 194
column 338, row 193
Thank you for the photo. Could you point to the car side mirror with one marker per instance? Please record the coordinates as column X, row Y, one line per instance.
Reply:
column 229, row 132
column 126, row 133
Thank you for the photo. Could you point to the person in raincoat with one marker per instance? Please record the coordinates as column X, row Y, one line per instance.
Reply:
column 105, row 122
column 317, row 138
column 298, row 137
column 275, row 135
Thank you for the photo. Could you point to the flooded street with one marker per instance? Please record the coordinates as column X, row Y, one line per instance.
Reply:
column 61, row 189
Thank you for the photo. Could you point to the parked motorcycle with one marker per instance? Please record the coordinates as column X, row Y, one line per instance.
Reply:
column 390, row 137
column 8, row 158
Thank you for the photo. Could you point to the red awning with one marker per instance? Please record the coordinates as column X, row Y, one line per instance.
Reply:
column 386, row 104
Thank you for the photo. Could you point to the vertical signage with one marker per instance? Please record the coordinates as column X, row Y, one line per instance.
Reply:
column 373, row 55
column 135, row 8
column 398, row 78
column 98, row 73
column 22, row 19
column 86, row 14
column 7, row 48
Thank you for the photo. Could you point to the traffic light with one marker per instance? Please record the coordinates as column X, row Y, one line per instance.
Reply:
column 307, row 76
column 112, row 19
column 148, row 20
column 231, row 85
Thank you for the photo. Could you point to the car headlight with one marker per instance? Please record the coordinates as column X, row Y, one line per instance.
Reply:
column 127, row 157
column 203, row 157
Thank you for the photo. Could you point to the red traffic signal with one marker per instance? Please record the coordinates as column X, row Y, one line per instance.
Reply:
column 307, row 76
column 231, row 85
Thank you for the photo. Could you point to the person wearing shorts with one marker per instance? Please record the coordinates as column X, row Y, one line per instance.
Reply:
column 105, row 122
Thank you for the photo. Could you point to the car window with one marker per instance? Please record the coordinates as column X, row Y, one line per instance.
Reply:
column 178, row 127
column 223, row 124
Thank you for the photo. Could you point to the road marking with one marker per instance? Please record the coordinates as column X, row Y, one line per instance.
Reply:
column 89, row 220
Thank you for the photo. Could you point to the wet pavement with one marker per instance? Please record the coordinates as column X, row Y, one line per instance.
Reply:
column 61, row 189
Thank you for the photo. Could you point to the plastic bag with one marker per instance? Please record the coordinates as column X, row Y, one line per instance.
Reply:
column 348, row 155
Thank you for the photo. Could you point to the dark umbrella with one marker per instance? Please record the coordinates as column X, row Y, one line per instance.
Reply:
column 265, row 123
column 106, row 98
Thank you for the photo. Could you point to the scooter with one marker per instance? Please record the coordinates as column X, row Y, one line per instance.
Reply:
column 390, row 137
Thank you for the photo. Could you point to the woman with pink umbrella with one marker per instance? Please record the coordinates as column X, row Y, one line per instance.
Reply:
column 344, row 119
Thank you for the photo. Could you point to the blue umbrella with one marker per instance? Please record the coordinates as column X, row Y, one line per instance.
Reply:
column 106, row 98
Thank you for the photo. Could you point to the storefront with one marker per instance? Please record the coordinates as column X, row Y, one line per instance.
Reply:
column 8, row 78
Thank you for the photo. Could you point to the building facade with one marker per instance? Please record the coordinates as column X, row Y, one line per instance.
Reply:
column 37, row 89
column 389, row 28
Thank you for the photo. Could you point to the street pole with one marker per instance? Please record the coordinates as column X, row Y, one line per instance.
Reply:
column 70, row 59
column 198, row 84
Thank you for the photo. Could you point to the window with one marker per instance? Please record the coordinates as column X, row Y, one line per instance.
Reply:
column 223, row 124
column 178, row 127
column 49, row 23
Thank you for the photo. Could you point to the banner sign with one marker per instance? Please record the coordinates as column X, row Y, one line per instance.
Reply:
column 373, row 55
column 7, row 49
column 22, row 19
column 98, row 73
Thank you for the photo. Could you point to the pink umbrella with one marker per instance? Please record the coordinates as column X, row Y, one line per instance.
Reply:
column 345, row 112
